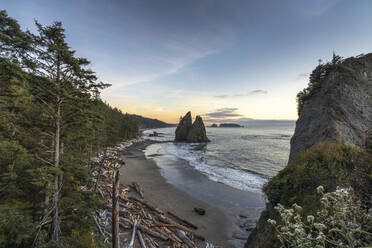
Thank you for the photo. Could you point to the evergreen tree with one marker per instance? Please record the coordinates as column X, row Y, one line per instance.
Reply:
column 52, row 121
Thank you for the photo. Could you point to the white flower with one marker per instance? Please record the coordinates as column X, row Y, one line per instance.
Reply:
column 297, row 207
column 319, row 226
column 272, row 222
column 310, row 219
column 320, row 189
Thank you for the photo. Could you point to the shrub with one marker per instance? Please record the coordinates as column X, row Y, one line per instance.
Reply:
column 327, row 163
column 340, row 222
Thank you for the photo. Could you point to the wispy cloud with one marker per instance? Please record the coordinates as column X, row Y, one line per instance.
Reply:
column 238, row 120
column 222, row 96
column 223, row 113
column 251, row 93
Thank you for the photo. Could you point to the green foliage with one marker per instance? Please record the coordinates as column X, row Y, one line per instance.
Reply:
column 340, row 222
column 16, row 228
column 327, row 163
column 317, row 77
column 30, row 91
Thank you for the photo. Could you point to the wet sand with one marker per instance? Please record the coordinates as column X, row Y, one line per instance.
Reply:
column 225, row 224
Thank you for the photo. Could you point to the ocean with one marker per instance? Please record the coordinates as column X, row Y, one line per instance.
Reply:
column 242, row 158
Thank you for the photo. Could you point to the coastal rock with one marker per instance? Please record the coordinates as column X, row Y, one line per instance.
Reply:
column 340, row 111
column 197, row 132
column 229, row 125
column 183, row 127
column 200, row 211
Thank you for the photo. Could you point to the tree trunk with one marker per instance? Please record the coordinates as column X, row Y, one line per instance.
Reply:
column 115, row 211
column 54, row 231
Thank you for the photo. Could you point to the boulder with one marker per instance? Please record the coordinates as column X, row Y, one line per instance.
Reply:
column 197, row 132
column 183, row 127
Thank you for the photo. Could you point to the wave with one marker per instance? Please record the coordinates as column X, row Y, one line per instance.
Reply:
column 239, row 179
column 270, row 137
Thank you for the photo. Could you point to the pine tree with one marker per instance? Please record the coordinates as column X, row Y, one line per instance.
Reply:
column 69, row 82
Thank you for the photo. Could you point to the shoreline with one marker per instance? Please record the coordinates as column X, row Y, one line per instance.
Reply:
column 223, row 225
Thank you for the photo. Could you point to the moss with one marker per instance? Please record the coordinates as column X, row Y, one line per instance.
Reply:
column 329, row 164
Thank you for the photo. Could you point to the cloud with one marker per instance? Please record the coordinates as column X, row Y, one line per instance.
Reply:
column 251, row 93
column 259, row 92
column 223, row 113
column 225, row 120
column 222, row 96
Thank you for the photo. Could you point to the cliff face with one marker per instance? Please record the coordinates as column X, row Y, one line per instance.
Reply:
column 340, row 111
column 183, row 127
column 197, row 132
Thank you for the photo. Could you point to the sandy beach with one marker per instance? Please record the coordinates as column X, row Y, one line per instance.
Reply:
column 223, row 225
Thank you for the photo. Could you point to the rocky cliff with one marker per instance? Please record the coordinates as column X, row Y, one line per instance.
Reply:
column 341, row 110
column 187, row 131
column 183, row 127
column 197, row 132
column 337, row 110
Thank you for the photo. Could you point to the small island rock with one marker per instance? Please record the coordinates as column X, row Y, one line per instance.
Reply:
column 183, row 127
column 229, row 125
column 197, row 132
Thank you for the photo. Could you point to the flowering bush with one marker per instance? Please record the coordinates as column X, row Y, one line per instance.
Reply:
column 341, row 222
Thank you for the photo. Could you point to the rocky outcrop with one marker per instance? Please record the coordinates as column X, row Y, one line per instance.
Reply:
column 183, row 127
column 229, row 125
column 197, row 132
column 340, row 110
column 188, row 132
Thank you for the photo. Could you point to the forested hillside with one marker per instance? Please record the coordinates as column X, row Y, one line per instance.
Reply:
column 144, row 122
column 52, row 121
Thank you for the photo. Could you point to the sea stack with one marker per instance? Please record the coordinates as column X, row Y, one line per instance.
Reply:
column 197, row 132
column 183, row 127
column 188, row 132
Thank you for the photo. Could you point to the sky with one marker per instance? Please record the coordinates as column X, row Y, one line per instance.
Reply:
column 226, row 60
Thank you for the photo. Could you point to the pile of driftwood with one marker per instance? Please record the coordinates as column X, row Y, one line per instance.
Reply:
column 130, row 220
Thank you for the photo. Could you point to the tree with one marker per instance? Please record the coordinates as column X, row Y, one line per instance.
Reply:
column 69, row 82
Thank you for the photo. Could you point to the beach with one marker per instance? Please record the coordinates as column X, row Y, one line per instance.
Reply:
column 226, row 223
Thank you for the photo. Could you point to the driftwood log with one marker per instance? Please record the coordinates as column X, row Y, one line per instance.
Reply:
column 182, row 220
column 183, row 228
column 130, row 217
column 137, row 188
column 115, row 211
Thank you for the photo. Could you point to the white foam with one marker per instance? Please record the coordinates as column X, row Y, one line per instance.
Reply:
column 163, row 135
column 235, row 178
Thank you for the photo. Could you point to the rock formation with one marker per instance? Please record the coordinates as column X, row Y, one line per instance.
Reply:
column 229, row 125
column 183, row 127
column 188, row 132
column 197, row 132
column 339, row 110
